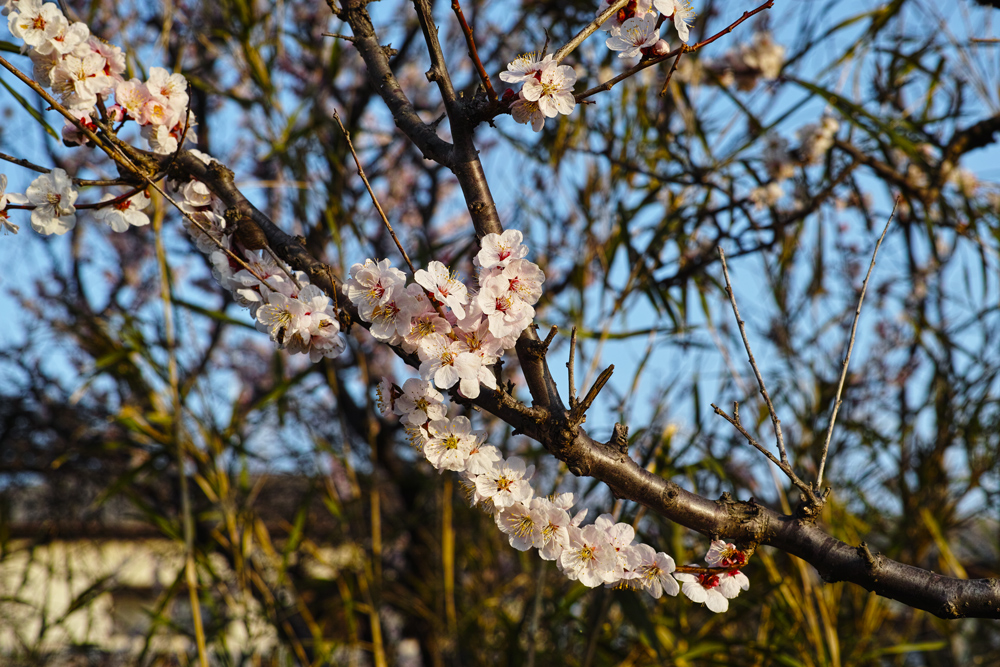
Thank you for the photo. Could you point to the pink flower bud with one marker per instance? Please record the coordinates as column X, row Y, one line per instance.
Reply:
column 661, row 47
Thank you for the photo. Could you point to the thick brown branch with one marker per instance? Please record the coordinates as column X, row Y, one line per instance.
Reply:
column 385, row 84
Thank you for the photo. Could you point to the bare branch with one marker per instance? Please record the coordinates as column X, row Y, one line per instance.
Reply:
column 371, row 193
column 591, row 28
column 473, row 53
column 782, row 453
column 683, row 48
column 850, row 346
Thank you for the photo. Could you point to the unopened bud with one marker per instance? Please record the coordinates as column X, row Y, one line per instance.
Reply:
column 661, row 47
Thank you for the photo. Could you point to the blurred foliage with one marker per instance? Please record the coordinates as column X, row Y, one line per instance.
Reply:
column 315, row 520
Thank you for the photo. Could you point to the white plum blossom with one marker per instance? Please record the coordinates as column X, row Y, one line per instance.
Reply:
column 526, row 66
column 732, row 582
column 124, row 214
column 371, row 285
column 634, row 35
column 652, row 571
column 482, row 459
column 420, row 402
column 35, row 23
column 446, row 363
column 281, row 317
column 589, row 557
column 634, row 9
column 5, row 199
column 520, row 278
column 385, row 396
column 518, row 523
column 394, row 319
column 54, row 198
column 450, row 443
column 552, row 89
column 67, row 38
column 501, row 249
column 704, row 588
column 524, row 111
column 724, row 554
column 79, row 80
column 444, row 286
column 621, row 536
column 132, row 95
column 506, row 482
column 681, row 13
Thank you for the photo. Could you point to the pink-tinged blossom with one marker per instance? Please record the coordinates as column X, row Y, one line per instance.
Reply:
column 732, row 582
column 634, row 35
column 501, row 249
column 420, row 402
column 68, row 38
column 114, row 57
column 506, row 483
column 552, row 90
column 525, row 111
column 281, row 317
column 634, row 9
column 124, row 214
column 132, row 95
column 589, row 557
column 652, row 571
column 703, row 588
column 371, row 284
column 444, row 286
column 508, row 315
column 450, row 443
column 724, row 554
column 681, row 13
column 35, row 23
column 170, row 90
column 525, row 67
column 393, row 319
column 53, row 196
column 520, row 278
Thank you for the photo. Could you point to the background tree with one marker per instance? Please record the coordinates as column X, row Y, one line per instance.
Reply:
column 305, row 512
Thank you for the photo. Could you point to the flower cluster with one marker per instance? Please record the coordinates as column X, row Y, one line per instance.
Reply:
column 296, row 315
column 635, row 29
column 457, row 335
column 547, row 89
column 721, row 582
column 83, row 71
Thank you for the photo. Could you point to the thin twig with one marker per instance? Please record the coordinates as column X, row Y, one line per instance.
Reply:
column 571, row 366
column 782, row 453
column 578, row 412
column 670, row 74
column 607, row 85
column 473, row 53
column 21, row 162
column 548, row 339
column 850, row 346
column 591, row 28
column 371, row 193
column 338, row 36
